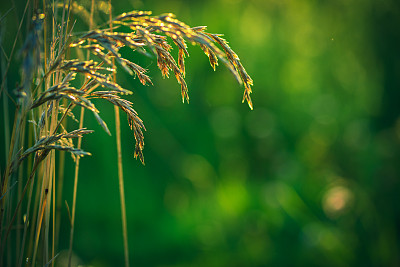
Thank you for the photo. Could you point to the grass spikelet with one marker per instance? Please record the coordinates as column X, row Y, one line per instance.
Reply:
column 235, row 61
column 135, row 123
column 212, row 57
column 48, row 143
column 139, row 71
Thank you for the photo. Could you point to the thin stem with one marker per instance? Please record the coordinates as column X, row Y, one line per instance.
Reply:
column 49, row 125
column 4, row 183
column 54, row 210
column 5, row 14
column 45, row 39
column 71, row 236
column 120, row 169
column 5, row 112
column 19, row 191
column 38, row 231
column 121, row 186
column 79, row 146
column 60, row 180
column 35, row 211
column 28, row 205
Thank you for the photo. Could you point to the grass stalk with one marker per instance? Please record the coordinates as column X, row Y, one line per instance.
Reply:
column 35, row 212
column 6, row 115
column 5, row 112
column 4, row 186
column 27, row 214
column 78, row 158
column 71, row 236
column 121, row 186
column 53, row 213
column 19, row 194
column 43, row 206
column 120, row 166
column 59, row 193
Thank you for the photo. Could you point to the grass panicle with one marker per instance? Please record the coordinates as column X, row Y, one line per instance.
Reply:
column 56, row 77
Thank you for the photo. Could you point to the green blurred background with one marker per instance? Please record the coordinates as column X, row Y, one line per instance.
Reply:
column 308, row 178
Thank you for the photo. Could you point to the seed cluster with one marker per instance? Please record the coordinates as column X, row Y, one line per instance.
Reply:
column 143, row 33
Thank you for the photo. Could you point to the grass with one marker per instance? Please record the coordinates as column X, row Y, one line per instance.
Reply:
column 56, row 78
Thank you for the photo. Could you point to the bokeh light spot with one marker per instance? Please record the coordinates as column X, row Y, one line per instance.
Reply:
column 232, row 197
column 336, row 201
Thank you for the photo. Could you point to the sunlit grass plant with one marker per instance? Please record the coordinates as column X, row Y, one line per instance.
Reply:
column 60, row 71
